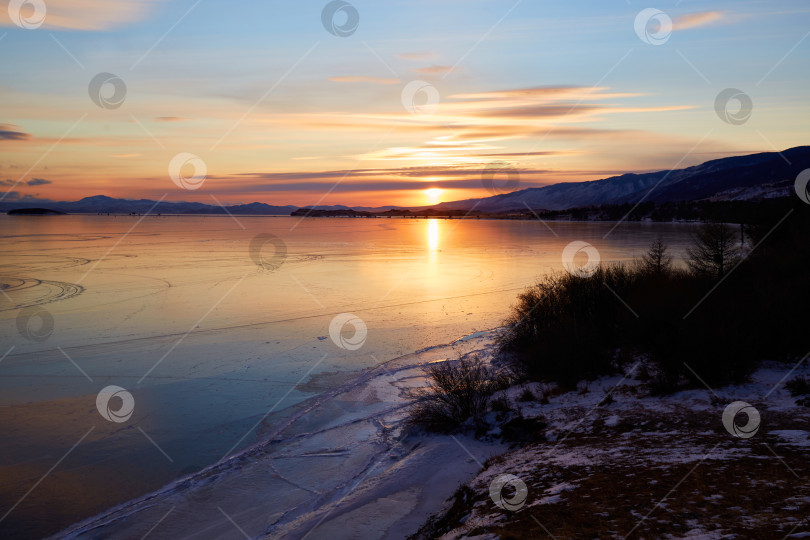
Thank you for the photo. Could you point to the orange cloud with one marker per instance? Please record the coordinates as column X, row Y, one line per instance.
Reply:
column 90, row 15
column 695, row 20
column 364, row 79
column 544, row 131
column 434, row 70
column 417, row 56
column 468, row 126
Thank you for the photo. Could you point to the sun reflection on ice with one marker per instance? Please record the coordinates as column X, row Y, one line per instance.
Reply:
column 433, row 234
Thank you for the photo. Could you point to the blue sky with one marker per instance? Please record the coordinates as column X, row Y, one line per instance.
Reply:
column 282, row 111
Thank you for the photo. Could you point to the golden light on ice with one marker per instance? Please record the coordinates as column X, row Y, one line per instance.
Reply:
column 433, row 195
column 433, row 234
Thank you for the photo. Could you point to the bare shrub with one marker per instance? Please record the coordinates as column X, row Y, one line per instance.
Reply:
column 458, row 391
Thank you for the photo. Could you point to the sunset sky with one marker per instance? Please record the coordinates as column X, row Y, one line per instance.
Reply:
column 284, row 112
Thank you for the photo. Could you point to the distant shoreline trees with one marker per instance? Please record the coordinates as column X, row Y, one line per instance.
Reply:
column 716, row 250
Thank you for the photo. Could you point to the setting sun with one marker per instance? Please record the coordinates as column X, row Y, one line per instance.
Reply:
column 433, row 195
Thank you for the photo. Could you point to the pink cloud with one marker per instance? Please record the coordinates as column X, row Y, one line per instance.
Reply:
column 417, row 56
column 434, row 70
column 695, row 20
column 90, row 15
column 364, row 79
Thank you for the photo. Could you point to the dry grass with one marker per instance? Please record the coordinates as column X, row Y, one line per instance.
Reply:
column 647, row 481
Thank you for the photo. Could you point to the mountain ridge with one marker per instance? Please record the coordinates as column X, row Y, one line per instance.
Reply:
column 758, row 175
column 697, row 182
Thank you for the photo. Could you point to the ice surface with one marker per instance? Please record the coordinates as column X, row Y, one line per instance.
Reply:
column 220, row 354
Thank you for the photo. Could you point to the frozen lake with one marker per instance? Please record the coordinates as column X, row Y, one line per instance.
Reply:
column 218, row 327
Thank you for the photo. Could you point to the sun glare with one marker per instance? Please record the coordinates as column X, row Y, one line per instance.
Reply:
column 433, row 234
column 433, row 195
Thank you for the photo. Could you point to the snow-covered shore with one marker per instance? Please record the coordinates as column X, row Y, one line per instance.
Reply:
column 341, row 467
column 345, row 466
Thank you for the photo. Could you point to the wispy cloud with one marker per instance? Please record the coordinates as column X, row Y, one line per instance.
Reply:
column 510, row 112
column 470, row 128
column 417, row 56
column 10, row 132
column 433, row 70
column 171, row 119
column 695, row 20
column 90, row 15
column 545, row 93
column 364, row 79
column 359, row 180
column 38, row 182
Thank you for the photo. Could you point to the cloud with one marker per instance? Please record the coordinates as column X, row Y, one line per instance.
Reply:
column 469, row 127
column 38, row 182
column 364, row 79
column 171, row 119
column 363, row 180
column 517, row 112
column 539, row 111
column 433, row 70
column 8, row 182
column 545, row 93
column 695, row 20
column 566, row 132
column 9, row 133
column 417, row 56
column 93, row 15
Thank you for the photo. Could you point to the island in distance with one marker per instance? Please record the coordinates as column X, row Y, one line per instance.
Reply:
column 36, row 212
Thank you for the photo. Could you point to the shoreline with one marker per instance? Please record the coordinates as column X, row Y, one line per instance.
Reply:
column 493, row 217
column 733, row 210
column 395, row 484
column 365, row 416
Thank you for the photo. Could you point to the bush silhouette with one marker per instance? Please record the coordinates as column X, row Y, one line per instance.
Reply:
column 719, row 320
column 457, row 391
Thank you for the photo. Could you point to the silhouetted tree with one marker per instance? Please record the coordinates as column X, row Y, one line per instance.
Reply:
column 657, row 259
column 716, row 250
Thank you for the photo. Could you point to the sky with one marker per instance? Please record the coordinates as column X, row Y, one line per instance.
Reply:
column 374, row 102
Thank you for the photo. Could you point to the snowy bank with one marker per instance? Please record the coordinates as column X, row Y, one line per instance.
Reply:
column 617, row 463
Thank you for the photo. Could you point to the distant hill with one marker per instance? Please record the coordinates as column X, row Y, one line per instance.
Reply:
column 103, row 204
column 733, row 178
